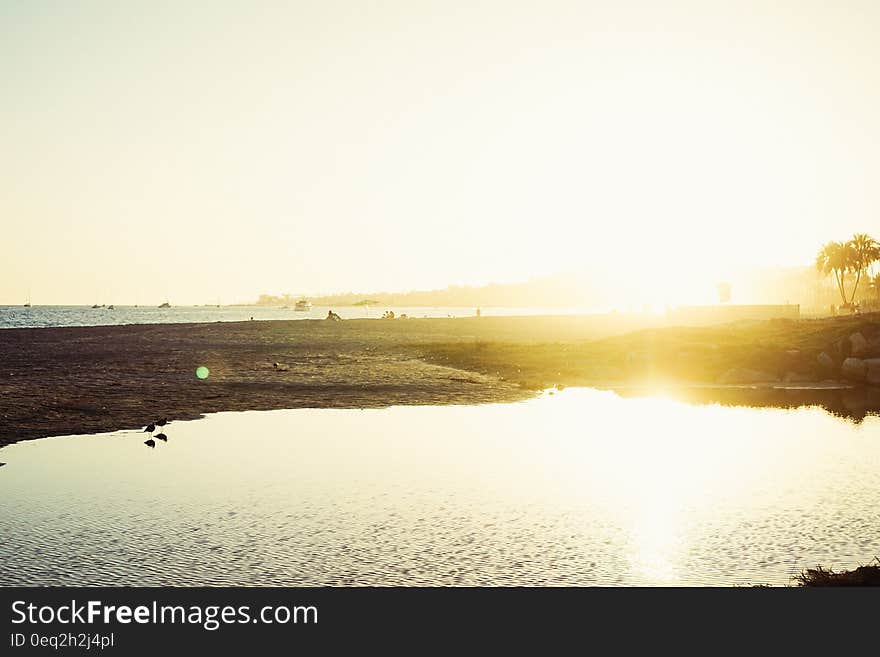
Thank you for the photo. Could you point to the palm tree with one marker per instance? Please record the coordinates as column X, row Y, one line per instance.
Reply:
column 865, row 251
column 836, row 258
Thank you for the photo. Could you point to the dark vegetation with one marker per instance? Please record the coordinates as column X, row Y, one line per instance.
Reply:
column 862, row 576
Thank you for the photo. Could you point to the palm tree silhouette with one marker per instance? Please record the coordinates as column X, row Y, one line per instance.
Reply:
column 841, row 258
column 865, row 251
column 836, row 258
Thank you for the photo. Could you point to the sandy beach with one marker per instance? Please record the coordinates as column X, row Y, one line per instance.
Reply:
column 63, row 381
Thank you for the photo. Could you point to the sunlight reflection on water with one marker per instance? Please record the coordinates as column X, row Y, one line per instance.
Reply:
column 580, row 487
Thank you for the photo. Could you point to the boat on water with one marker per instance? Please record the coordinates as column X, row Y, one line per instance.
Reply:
column 303, row 305
column 165, row 305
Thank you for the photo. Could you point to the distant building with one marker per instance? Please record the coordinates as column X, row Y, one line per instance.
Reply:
column 722, row 314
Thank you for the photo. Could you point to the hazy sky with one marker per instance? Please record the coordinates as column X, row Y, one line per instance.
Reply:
column 196, row 150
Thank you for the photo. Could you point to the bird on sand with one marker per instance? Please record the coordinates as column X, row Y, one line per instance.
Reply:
column 150, row 442
column 149, row 428
column 162, row 437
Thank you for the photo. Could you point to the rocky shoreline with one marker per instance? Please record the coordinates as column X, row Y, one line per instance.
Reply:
column 852, row 359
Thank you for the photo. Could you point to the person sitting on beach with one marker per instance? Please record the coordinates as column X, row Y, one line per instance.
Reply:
column 333, row 317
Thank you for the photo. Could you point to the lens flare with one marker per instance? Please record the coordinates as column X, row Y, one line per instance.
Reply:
column 202, row 372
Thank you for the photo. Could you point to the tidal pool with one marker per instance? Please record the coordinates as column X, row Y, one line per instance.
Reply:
column 580, row 487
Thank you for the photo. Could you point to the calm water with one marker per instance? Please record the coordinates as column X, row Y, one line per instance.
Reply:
column 42, row 316
column 581, row 487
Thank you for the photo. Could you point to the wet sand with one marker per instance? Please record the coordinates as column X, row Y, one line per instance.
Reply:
column 63, row 381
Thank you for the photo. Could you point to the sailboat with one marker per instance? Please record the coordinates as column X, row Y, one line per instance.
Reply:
column 28, row 302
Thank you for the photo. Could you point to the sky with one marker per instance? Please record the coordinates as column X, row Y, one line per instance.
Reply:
column 205, row 151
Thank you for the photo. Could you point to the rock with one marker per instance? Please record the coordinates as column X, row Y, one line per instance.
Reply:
column 797, row 377
column 844, row 347
column 744, row 375
column 874, row 346
column 825, row 361
column 854, row 369
column 858, row 344
column 872, row 374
